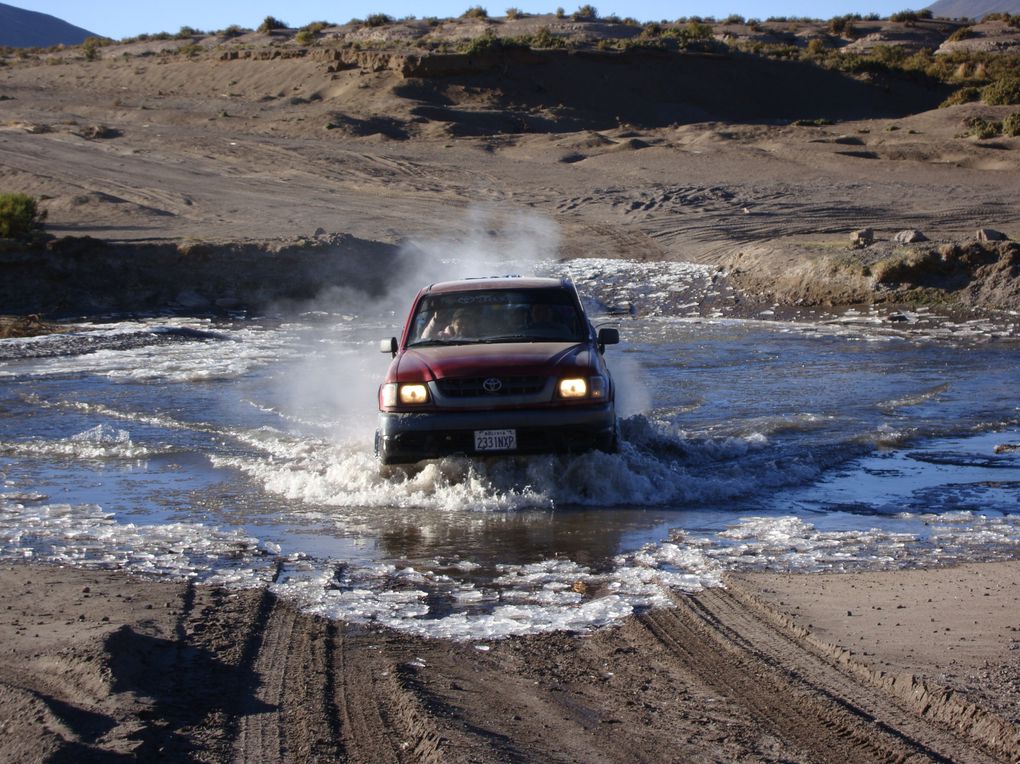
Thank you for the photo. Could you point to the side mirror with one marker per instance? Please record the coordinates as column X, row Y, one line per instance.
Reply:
column 388, row 346
column 608, row 336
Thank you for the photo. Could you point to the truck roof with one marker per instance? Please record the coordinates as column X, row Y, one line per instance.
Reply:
column 497, row 282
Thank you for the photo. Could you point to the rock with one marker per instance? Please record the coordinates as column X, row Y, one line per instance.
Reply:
column 990, row 234
column 862, row 238
column 897, row 318
column 319, row 232
column 910, row 236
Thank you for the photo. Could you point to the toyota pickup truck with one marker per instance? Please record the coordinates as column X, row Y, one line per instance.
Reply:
column 496, row 366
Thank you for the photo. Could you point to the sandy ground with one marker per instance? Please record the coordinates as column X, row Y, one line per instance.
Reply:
column 905, row 666
column 96, row 666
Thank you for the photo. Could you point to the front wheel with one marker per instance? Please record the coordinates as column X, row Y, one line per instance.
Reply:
column 609, row 442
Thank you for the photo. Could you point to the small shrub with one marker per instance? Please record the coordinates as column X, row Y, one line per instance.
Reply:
column 815, row 48
column 475, row 12
column 963, row 33
column 234, row 30
column 963, row 95
column 984, row 128
column 304, row 37
column 843, row 26
column 315, row 27
column 378, row 20
column 695, row 30
column 484, row 43
column 904, row 16
column 186, row 32
column 19, row 216
column 90, row 48
column 269, row 23
column 734, row 18
column 1011, row 125
column 1002, row 92
column 586, row 13
column 560, row 13
column 545, row 39
column 515, row 13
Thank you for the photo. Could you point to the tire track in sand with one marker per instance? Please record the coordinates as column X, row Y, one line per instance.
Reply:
column 806, row 699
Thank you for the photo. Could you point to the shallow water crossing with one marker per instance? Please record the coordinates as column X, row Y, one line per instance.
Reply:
column 240, row 451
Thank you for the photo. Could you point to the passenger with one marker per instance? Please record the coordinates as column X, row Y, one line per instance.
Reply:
column 542, row 318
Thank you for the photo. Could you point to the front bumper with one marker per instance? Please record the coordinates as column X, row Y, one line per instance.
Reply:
column 404, row 438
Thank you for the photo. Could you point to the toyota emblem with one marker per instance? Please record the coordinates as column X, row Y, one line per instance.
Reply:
column 492, row 385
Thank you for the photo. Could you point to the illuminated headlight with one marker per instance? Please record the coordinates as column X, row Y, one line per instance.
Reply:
column 414, row 394
column 408, row 394
column 574, row 387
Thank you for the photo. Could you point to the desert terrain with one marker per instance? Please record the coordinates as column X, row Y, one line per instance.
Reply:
column 261, row 166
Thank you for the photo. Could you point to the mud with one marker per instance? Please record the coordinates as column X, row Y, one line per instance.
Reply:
column 100, row 666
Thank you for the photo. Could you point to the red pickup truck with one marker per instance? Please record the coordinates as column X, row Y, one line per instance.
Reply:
column 503, row 365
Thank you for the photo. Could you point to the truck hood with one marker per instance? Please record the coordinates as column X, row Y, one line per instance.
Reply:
column 506, row 358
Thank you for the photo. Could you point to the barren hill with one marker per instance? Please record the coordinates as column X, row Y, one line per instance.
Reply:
column 755, row 146
column 973, row 9
column 20, row 28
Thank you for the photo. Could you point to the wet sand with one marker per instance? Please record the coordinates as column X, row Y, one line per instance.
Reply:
column 913, row 665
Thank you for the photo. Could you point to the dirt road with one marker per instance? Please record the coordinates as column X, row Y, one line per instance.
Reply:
column 113, row 667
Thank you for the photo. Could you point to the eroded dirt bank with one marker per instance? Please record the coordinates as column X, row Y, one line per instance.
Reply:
column 98, row 665
column 86, row 276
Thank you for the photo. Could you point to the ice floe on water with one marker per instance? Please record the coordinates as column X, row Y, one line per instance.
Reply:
column 239, row 452
column 88, row 536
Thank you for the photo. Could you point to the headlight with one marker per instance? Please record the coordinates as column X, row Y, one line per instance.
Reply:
column 574, row 387
column 407, row 394
column 414, row 394
column 598, row 387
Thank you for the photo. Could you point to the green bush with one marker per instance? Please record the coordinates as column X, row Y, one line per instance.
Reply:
column 234, row 30
column 19, row 216
column 1011, row 125
column 586, row 13
column 1002, row 92
column 270, row 23
column 475, row 12
column 304, row 37
column 515, row 13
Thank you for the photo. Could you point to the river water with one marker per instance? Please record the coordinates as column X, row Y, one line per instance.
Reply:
column 239, row 451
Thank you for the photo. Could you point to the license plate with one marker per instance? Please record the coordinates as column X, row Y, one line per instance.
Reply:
column 495, row 440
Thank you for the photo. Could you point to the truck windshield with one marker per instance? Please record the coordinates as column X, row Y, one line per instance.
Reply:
column 503, row 315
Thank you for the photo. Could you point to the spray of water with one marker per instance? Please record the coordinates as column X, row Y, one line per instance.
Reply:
column 340, row 384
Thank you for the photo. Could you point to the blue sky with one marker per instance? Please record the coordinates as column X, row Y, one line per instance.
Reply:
column 126, row 18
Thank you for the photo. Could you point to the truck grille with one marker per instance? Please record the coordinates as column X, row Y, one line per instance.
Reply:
column 475, row 387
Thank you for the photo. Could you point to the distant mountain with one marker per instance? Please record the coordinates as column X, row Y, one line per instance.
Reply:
column 28, row 29
column 973, row 9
